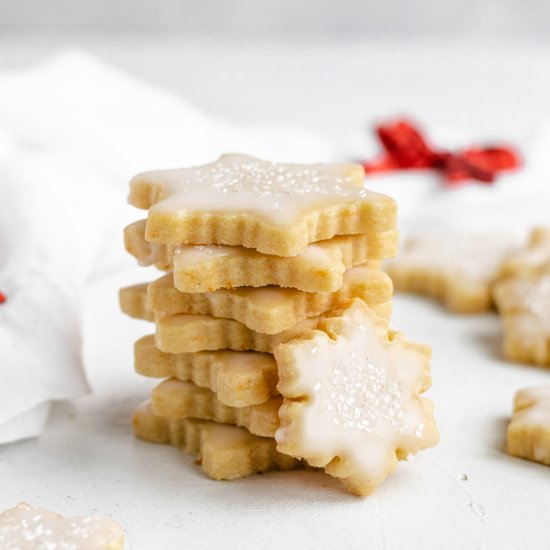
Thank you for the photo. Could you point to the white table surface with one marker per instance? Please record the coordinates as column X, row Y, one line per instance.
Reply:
column 465, row 493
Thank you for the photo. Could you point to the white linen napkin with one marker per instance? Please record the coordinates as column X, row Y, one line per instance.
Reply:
column 72, row 133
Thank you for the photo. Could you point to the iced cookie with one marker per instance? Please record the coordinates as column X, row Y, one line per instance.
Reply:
column 225, row 452
column 457, row 269
column 529, row 431
column 352, row 401
column 237, row 378
column 268, row 310
column 27, row 528
column 176, row 399
column 532, row 259
column 274, row 208
column 524, row 306
column 206, row 268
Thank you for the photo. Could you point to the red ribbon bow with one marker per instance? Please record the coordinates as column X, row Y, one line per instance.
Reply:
column 405, row 148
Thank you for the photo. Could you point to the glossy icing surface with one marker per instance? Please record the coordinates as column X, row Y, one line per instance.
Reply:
column 532, row 406
column 26, row 528
column 530, row 297
column 362, row 394
column 246, row 184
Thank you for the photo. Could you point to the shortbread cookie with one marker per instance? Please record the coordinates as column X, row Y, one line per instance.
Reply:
column 224, row 451
column 352, row 400
column 133, row 302
column 237, row 378
column 267, row 310
column 274, row 208
column 207, row 268
column 25, row 527
column 177, row 399
column 524, row 305
column 528, row 433
column 271, row 309
column 457, row 269
column 532, row 259
column 184, row 333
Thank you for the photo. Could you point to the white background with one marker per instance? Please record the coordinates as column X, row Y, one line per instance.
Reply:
column 334, row 83
column 525, row 18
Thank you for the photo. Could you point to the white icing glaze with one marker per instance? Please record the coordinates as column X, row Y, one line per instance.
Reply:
column 26, row 528
column 194, row 255
column 529, row 296
column 533, row 406
column 361, row 395
column 475, row 257
column 243, row 183
column 317, row 253
column 189, row 255
column 535, row 255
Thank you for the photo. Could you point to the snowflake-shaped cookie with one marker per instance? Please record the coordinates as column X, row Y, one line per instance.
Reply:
column 352, row 398
column 524, row 306
column 27, row 527
column 458, row 269
column 275, row 208
column 528, row 433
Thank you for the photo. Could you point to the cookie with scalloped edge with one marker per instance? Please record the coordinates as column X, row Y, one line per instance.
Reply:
column 524, row 307
column 352, row 398
column 267, row 310
column 270, row 309
column 276, row 209
column 206, row 268
column 457, row 269
column 528, row 434
column 190, row 333
column 530, row 260
column 238, row 378
column 224, row 451
column 133, row 302
column 183, row 333
column 174, row 398
column 25, row 527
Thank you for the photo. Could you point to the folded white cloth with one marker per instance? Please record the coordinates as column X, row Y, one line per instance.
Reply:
column 73, row 131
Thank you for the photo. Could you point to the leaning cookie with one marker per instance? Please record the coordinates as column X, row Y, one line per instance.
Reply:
column 224, row 451
column 528, row 434
column 267, row 310
column 187, row 333
column 456, row 269
column 274, row 208
column 352, row 401
column 206, row 268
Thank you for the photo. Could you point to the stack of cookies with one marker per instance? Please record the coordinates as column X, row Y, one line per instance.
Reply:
column 271, row 324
